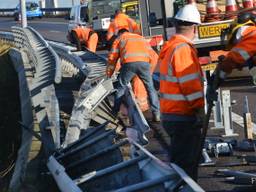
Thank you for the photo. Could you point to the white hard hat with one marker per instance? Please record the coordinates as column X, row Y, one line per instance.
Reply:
column 189, row 13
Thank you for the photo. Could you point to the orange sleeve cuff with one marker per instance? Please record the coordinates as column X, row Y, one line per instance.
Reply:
column 233, row 61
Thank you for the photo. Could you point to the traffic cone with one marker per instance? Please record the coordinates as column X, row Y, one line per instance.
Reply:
column 248, row 4
column 231, row 8
column 212, row 11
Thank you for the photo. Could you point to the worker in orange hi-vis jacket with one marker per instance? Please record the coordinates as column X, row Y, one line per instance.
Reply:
column 121, row 21
column 242, row 52
column 134, row 54
column 84, row 36
column 182, row 91
column 139, row 89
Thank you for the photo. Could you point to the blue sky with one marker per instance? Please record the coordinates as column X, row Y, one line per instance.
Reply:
column 13, row 3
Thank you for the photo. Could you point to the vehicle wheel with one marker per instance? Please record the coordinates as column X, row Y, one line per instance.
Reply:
column 40, row 17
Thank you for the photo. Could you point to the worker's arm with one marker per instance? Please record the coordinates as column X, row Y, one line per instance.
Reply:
column 113, row 57
column 76, row 40
column 153, row 60
column 239, row 54
column 233, row 60
column 111, row 31
column 189, row 76
column 135, row 27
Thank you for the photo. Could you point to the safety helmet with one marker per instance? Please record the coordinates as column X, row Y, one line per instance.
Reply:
column 189, row 13
column 230, row 33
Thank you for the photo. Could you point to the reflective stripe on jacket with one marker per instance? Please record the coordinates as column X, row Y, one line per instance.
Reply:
column 181, row 79
column 129, row 47
column 241, row 52
column 122, row 21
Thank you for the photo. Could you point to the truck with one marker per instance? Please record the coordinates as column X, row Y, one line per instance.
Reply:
column 156, row 21
column 79, row 16
column 101, row 12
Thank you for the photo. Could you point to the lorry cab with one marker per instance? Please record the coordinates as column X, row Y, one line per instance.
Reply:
column 78, row 17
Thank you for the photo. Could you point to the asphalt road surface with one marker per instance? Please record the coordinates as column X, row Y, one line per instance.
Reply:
column 51, row 28
column 56, row 29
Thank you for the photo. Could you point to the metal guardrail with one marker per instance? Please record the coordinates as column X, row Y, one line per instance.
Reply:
column 74, row 64
column 96, row 159
column 27, row 120
column 6, row 37
column 46, row 71
column 39, row 65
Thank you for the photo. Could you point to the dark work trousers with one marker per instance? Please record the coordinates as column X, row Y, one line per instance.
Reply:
column 185, row 141
column 127, row 72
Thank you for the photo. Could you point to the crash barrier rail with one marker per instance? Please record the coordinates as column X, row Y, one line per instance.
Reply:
column 97, row 162
column 96, row 152
column 27, row 120
column 145, row 171
column 46, row 72
column 42, row 70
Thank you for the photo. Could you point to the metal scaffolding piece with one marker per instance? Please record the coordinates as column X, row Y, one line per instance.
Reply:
column 227, row 112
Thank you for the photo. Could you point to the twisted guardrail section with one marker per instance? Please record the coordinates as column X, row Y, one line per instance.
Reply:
column 99, row 158
column 39, row 68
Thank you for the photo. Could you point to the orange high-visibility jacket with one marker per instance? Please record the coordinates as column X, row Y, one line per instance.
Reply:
column 139, row 89
column 181, row 79
column 129, row 47
column 122, row 21
column 88, row 37
column 241, row 52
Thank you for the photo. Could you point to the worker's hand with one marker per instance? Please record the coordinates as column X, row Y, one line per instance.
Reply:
column 109, row 72
column 211, row 92
column 252, row 69
column 200, row 115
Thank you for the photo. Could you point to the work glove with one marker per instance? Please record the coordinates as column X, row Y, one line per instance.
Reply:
column 211, row 91
column 200, row 115
column 214, row 82
column 109, row 71
column 252, row 68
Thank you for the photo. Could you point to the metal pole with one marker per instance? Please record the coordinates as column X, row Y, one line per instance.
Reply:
column 165, row 22
column 24, row 22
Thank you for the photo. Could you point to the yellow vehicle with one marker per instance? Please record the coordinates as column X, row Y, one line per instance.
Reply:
column 131, row 8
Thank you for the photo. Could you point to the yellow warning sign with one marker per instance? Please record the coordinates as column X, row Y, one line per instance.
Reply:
column 209, row 67
column 208, row 31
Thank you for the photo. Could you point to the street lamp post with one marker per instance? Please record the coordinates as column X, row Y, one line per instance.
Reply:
column 24, row 22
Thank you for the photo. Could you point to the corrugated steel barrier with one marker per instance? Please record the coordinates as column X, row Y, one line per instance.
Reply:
column 95, row 154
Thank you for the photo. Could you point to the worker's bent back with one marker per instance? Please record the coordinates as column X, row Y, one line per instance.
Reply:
column 130, row 48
